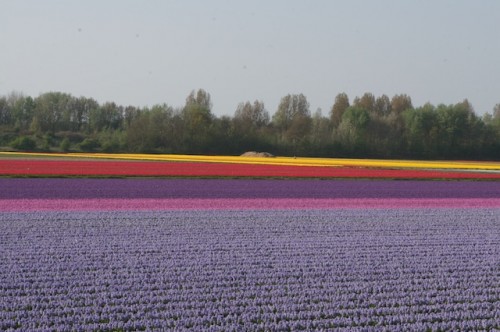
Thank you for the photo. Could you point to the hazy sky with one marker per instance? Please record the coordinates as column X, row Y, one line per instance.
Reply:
column 146, row 52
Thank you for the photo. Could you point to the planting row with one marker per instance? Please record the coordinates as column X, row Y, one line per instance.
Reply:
column 241, row 188
column 97, row 204
column 297, row 161
column 255, row 270
column 36, row 167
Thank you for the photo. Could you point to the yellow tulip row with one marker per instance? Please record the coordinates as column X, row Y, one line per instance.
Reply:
column 295, row 161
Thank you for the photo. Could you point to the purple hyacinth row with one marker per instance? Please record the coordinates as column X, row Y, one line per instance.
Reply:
column 421, row 269
column 220, row 188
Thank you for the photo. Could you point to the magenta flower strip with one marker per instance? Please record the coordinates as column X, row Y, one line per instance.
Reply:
column 243, row 204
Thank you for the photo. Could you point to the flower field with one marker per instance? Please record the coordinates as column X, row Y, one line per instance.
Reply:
column 130, row 165
column 226, row 194
column 258, row 255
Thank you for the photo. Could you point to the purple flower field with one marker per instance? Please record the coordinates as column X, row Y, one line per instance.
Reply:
column 369, row 268
column 241, row 188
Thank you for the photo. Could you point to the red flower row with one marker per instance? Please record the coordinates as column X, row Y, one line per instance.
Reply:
column 202, row 169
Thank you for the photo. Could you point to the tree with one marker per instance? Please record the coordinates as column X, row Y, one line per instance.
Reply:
column 495, row 120
column 320, row 129
column 51, row 112
column 491, row 134
column 151, row 130
column 367, row 102
column 24, row 143
column 249, row 124
column 161, row 131
column 299, row 128
column 459, row 130
column 291, row 108
column 197, row 118
column 339, row 107
column 383, row 105
column 5, row 112
column 496, row 111
column 81, row 109
column 352, row 130
column 421, row 132
column 107, row 116
column 201, row 98
column 400, row 103
column 65, row 145
column 292, row 122
column 222, row 137
column 21, row 110
column 466, row 106
column 252, row 115
column 130, row 113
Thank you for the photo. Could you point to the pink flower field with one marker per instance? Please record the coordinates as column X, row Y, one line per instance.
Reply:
column 242, row 204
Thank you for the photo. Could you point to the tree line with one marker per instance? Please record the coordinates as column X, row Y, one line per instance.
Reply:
column 367, row 126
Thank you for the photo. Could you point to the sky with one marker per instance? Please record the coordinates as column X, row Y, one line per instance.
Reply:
column 148, row 52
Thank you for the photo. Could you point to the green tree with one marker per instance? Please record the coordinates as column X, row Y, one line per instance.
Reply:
column 383, row 106
column 107, row 116
column 293, row 118
column 197, row 119
column 200, row 98
column 491, row 134
column 152, row 130
column 65, row 145
column 222, row 137
column 250, row 115
column 24, row 143
column 249, row 125
column 130, row 113
column 21, row 109
column 496, row 112
column 80, row 113
column 321, row 134
column 421, row 132
column 353, row 128
column 339, row 107
column 400, row 103
column 52, row 112
column 460, row 130
column 89, row 145
column 367, row 102
column 5, row 112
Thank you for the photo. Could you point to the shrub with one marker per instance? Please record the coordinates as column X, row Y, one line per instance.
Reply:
column 89, row 145
column 24, row 143
column 65, row 145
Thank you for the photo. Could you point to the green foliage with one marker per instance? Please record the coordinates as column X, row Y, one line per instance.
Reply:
column 197, row 118
column 421, row 131
column 339, row 107
column 7, row 135
column 112, row 142
column 352, row 130
column 89, row 145
column 293, row 120
column 358, row 117
column 376, row 127
column 366, row 102
column 65, row 145
column 24, row 143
